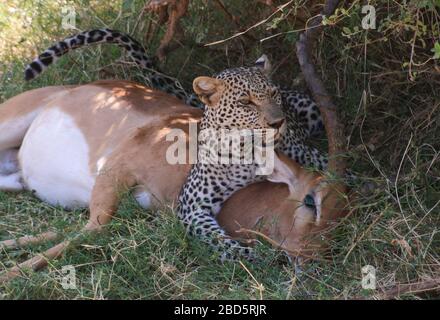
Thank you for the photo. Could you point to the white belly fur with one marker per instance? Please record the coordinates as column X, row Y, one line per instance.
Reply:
column 11, row 182
column 9, row 162
column 54, row 158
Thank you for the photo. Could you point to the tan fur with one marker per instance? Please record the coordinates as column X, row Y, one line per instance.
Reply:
column 18, row 113
column 29, row 101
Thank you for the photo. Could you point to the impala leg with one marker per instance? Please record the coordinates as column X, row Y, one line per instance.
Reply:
column 104, row 202
column 28, row 240
column 35, row 263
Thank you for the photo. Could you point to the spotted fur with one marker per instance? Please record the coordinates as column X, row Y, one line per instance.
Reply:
column 303, row 120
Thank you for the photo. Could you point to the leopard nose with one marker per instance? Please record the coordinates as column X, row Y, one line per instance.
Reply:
column 277, row 124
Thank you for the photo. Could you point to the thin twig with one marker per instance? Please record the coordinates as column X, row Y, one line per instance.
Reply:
column 252, row 27
column 259, row 286
column 234, row 19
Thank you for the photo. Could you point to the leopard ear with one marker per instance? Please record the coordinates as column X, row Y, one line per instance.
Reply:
column 264, row 64
column 208, row 89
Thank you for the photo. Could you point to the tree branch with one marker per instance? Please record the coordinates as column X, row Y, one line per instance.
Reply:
column 333, row 127
column 176, row 9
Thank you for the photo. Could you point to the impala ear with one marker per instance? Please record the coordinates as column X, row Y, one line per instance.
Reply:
column 208, row 89
column 282, row 173
column 264, row 64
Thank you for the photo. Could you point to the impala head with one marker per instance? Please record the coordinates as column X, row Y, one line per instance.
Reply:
column 242, row 98
column 313, row 204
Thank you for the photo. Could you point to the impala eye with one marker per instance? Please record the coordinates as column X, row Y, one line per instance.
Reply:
column 309, row 202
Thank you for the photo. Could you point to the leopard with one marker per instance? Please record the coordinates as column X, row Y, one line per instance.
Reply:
column 241, row 98
column 303, row 117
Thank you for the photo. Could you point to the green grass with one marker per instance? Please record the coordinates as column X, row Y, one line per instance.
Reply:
column 142, row 255
column 392, row 124
column 147, row 255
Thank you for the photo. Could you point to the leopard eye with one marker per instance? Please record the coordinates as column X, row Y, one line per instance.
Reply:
column 244, row 100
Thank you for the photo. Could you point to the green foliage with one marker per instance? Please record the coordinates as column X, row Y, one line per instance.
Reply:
column 436, row 50
column 428, row 4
